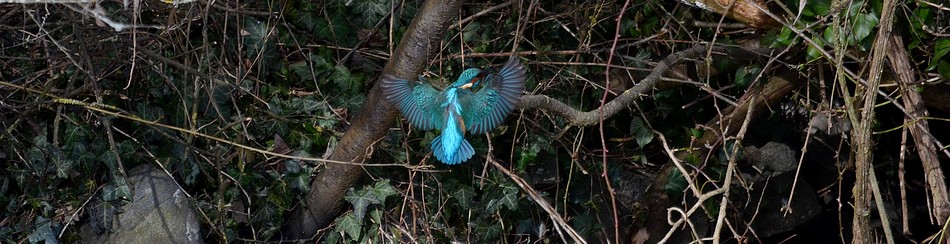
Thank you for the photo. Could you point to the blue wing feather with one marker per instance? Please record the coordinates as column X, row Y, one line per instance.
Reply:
column 500, row 94
column 418, row 102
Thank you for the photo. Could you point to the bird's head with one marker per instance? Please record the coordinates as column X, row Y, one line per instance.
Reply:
column 469, row 78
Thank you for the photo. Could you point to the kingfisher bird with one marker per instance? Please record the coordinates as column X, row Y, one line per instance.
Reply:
column 458, row 109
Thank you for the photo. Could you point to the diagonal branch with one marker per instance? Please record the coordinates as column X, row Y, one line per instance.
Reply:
column 420, row 43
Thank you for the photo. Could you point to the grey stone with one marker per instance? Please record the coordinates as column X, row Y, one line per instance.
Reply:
column 159, row 212
column 773, row 157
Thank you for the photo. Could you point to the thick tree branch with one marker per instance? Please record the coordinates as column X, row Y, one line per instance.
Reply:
column 581, row 118
column 865, row 184
column 749, row 12
column 920, row 128
column 419, row 44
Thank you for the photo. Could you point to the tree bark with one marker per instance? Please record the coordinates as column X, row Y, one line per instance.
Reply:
column 920, row 128
column 419, row 45
column 750, row 12
column 862, row 141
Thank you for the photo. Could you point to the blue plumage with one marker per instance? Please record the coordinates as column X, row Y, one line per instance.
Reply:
column 458, row 109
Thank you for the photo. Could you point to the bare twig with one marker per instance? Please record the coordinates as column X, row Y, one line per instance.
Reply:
column 603, row 143
column 552, row 213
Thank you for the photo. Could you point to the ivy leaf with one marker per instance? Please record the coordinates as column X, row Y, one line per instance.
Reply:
column 303, row 68
column 342, row 78
column 585, row 223
column 697, row 133
column 944, row 68
column 63, row 164
column 527, row 156
column 511, row 197
column 350, row 225
column 256, row 33
column 301, row 181
column 119, row 190
column 812, row 51
column 640, row 131
column 675, row 184
column 784, row 38
column 830, row 35
column 941, row 48
column 742, row 77
column 863, row 24
column 306, row 19
column 382, row 189
column 361, row 200
column 817, row 8
column 376, row 215
column 508, row 198
column 292, row 166
column 465, row 196
column 43, row 232
column 920, row 18
column 101, row 217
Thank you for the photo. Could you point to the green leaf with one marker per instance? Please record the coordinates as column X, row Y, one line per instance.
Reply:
column 813, row 51
column 830, row 35
column 784, row 38
column 342, row 78
column 817, row 8
column 746, row 75
column 43, row 231
column 944, row 68
column 255, row 38
column 382, row 190
column 371, row 11
column 697, row 133
column 306, row 19
column 314, row 65
column 508, row 198
column 361, row 200
column 527, row 156
column 301, row 182
column 465, row 196
column 511, row 197
column 292, row 166
column 63, row 164
column 102, row 216
column 642, row 132
column 712, row 207
column 675, row 184
column 585, row 223
column 856, row 7
column 350, row 225
column 306, row 105
column 941, row 48
column 863, row 24
column 376, row 215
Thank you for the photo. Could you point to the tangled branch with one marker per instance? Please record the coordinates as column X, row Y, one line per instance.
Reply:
column 582, row 118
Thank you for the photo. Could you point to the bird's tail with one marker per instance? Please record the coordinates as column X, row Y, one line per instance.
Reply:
column 462, row 154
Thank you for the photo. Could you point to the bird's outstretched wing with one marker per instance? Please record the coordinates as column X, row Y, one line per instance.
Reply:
column 500, row 94
column 417, row 101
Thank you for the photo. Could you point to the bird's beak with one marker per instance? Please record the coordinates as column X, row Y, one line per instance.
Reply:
column 474, row 81
column 471, row 83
